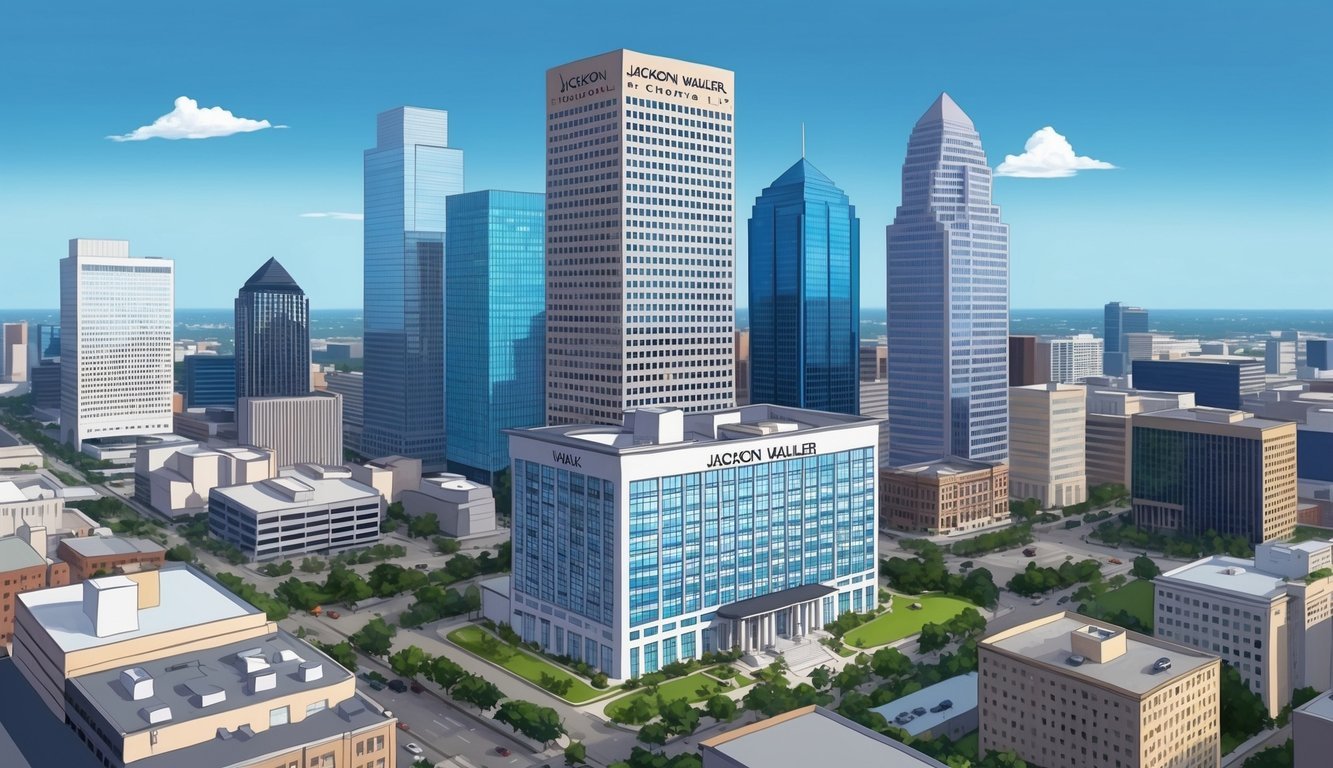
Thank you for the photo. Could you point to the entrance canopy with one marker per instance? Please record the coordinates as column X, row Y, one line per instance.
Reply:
column 756, row 606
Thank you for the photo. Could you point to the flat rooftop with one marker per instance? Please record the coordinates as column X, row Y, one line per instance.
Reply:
column 10, row 492
column 961, row 690
column 15, row 554
column 187, row 597
column 945, row 467
column 747, row 422
column 108, row 546
column 1320, row 706
column 177, row 681
column 1046, row 641
column 1228, row 574
column 813, row 736
column 1206, row 415
column 265, row 496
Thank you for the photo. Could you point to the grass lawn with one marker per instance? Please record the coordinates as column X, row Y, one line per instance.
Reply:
column 679, row 688
column 902, row 621
column 968, row 745
column 1135, row 597
column 522, row 663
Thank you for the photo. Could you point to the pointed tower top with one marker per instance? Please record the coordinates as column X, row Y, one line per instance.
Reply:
column 800, row 173
column 272, row 277
column 945, row 110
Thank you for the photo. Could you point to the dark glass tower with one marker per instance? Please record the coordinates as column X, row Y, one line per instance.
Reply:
column 272, row 335
column 805, row 266
column 948, row 299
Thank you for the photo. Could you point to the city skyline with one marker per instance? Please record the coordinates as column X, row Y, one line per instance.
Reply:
column 857, row 109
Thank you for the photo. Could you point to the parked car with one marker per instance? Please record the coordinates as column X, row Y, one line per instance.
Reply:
column 1030, row 552
column 375, row 685
column 1116, row 561
column 403, row 726
column 412, row 747
column 398, row 686
column 503, row 751
column 416, row 687
column 422, row 566
column 919, row 711
column 1038, row 600
column 1062, row 600
column 942, row 706
column 333, row 615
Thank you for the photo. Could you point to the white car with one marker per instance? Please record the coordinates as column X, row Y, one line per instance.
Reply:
column 412, row 747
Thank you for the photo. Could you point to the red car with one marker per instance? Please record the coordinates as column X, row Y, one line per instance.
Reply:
column 333, row 615
column 403, row 726
column 417, row 687
column 503, row 751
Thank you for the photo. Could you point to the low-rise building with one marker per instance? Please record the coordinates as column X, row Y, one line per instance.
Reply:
column 806, row 737
column 946, row 709
column 24, row 567
column 1270, row 617
column 308, row 508
column 1109, row 448
column 27, row 505
column 1217, row 381
column 20, row 457
column 1067, row 690
column 462, row 507
column 1312, row 732
column 306, row 429
column 392, row 476
column 950, row 495
column 166, row 668
column 90, row 556
column 1047, row 453
column 175, row 479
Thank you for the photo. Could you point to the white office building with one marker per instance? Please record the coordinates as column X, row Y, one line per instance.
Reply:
column 1265, row 616
column 640, row 237
column 1070, row 360
column 1047, row 451
column 115, row 342
column 305, row 509
column 675, row 534
column 307, row 429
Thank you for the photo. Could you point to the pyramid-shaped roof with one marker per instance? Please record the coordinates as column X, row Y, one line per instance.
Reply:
column 945, row 110
column 272, row 277
column 801, row 173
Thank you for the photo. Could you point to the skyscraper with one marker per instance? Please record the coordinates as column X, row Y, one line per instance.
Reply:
column 495, row 326
column 115, row 349
column 805, row 267
column 408, row 175
column 1120, row 320
column 948, row 299
column 272, row 335
column 209, row 381
column 640, row 255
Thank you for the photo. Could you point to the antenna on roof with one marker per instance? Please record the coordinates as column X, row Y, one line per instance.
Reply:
column 802, row 139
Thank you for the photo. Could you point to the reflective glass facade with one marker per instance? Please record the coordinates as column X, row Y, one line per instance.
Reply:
column 1214, row 384
column 408, row 176
column 1195, row 482
column 805, row 267
column 495, row 322
column 948, row 299
column 210, row 380
column 272, row 335
column 1118, row 321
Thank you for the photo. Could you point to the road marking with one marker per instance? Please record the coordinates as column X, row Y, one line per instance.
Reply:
column 463, row 738
column 442, row 725
column 455, row 722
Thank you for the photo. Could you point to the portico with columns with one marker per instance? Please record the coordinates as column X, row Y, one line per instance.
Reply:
column 756, row 624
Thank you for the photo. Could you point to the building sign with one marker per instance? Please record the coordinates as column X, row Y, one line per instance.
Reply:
column 568, row 459
column 751, row 455
column 574, row 86
column 662, row 82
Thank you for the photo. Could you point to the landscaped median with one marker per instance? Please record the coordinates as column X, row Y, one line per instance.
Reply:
column 904, row 620
column 481, row 643
column 693, row 688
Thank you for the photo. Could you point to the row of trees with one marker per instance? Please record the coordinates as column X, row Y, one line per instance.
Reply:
column 927, row 573
column 1038, row 580
column 1121, row 532
column 966, row 625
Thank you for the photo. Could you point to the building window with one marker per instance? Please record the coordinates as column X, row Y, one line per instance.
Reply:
column 316, row 706
column 279, row 716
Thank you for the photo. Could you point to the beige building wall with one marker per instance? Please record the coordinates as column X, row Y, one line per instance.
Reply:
column 1053, row 714
column 46, row 513
column 1047, row 450
column 15, row 363
column 298, row 430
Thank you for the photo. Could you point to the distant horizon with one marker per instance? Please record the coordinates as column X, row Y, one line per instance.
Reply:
column 863, row 309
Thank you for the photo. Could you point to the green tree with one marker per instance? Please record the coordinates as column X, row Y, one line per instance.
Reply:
column 821, row 677
column 341, row 653
column 1273, row 757
column 639, row 710
column 478, row 692
column 934, row 637
column 678, row 716
column 890, row 663
column 409, row 661
column 1145, row 568
column 375, row 638
column 1243, row 713
column 446, row 545
column 654, row 733
column 446, row 672
column 538, row 723
column 423, row 526
column 347, row 586
column 461, row 567
column 576, row 753
column 312, row 565
column 181, row 554
column 723, row 708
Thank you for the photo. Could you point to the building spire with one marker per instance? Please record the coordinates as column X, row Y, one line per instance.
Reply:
column 802, row 139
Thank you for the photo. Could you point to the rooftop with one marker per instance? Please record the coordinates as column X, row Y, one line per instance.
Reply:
column 104, row 546
column 11, row 492
column 812, row 736
column 651, row 429
column 271, row 277
column 945, row 110
column 187, row 599
column 1320, row 706
column 1207, row 415
column 179, row 682
column 15, row 553
column 1047, row 641
column 960, row 690
column 951, row 465
column 300, row 486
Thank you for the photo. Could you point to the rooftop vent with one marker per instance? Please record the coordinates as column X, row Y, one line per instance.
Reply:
column 138, row 684
column 1075, row 660
column 205, row 694
column 1161, row 665
column 311, row 671
column 1233, row 571
column 224, row 734
column 285, row 655
column 245, row 732
column 263, row 680
column 155, row 712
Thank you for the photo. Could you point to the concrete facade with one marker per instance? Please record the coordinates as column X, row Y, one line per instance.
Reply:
column 1068, row 691
column 805, row 737
column 943, row 497
column 86, row 556
column 1312, row 732
column 1047, row 457
column 1071, row 359
column 392, row 476
column 1109, row 447
column 298, row 430
column 14, row 355
column 175, row 479
column 462, row 507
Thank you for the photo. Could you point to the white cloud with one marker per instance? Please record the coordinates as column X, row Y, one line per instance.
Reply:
column 1048, row 155
column 339, row 215
column 188, row 121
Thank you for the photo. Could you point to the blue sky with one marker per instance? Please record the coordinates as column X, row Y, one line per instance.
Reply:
column 1217, row 115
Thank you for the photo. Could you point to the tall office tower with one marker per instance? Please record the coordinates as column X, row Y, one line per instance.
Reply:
column 640, row 254
column 1120, row 320
column 1108, row 442
column 1067, row 690
column 115, row 348
column 948, row 293
column 1023, row 362
column 1280, row 356
column 1213, row 469
column 743, row 367
column 495, row 326
column 1047, row 458
column 351, row 386
column 1317, row 354
column 1071, row 359
column 272, row 335
column 14, row 357
column 408, row 175
column 805, row 288
column 210, row 381
column 307, row 429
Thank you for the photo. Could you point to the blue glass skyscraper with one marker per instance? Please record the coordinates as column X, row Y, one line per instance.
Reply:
column 495, row 326
column 210, row 381
column 805, row 266
column 948, row 299
column 408, row 175
column 1120, row 319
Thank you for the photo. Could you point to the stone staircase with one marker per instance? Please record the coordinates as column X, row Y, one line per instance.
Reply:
column 805, row 653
